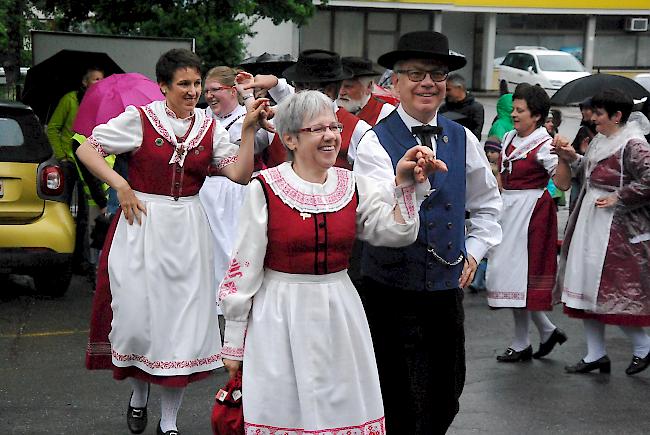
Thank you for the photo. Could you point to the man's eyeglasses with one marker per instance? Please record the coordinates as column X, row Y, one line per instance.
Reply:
column 416, row 75
column 335, row 127
column 215, row 90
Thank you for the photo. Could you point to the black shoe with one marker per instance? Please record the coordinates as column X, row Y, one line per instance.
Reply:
column 638, row 364
column 603, row 364
column 557, row 337
column 511, row 355
column 169, row 432
column 136, row 418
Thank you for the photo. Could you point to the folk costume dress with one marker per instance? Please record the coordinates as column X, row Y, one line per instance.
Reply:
column 155, row 311
column 523, row 267
column 222, row 198
column 605, row 261
column 309, row 365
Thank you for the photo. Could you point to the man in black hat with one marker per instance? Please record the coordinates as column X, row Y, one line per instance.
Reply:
column 421, row 350
column 356, row 92
column 323, row 71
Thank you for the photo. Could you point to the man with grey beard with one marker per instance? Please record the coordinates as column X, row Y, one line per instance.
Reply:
column 356, row 95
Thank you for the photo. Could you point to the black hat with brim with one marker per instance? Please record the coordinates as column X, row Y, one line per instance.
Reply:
column 360, row 67
column 423, row 45
column 317, row 66
column 267, row 63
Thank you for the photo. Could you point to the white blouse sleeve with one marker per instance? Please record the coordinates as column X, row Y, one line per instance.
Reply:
column 376, row 213
column 121, row 134
column 547, row 158
column 246, row 271
column 223, row 151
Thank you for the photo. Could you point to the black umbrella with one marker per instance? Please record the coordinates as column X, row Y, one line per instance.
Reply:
column 59, row 74
column 579, row 89
column 267, row 63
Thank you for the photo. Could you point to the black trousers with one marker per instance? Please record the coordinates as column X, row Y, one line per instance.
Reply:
column 419, row 342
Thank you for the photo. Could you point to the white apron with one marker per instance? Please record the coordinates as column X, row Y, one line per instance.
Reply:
column 305, row 331
column 584, row 264
column 507, row 274
column 163, row 291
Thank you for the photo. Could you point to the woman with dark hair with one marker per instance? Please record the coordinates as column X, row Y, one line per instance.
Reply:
column 604, row 274
column 156, row 276
column 522, row 268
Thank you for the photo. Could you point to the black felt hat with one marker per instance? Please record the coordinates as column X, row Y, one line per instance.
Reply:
column 317, row 66
column 267, row 63
column 423, row 45
column 360, row 66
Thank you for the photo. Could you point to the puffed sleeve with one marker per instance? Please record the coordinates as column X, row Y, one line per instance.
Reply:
column 224, row 152
column 246, row 271
column 636, row 163
column 376, row 222
column 121, row 134
column 547, row 158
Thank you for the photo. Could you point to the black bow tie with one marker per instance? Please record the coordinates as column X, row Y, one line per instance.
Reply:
column 424, row 133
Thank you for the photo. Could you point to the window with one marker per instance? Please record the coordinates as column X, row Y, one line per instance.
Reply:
column 556, row 62
column 10, row 133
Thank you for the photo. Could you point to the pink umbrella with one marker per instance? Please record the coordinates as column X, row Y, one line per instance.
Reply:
column 109, row 97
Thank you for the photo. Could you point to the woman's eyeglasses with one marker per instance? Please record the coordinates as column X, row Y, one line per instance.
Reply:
column 416, row 75
column 335, row 127
column 215, row 90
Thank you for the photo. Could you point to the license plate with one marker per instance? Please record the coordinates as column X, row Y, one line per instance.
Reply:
column 2, row 189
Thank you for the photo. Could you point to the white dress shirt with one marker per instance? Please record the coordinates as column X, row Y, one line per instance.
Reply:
column 482, row 198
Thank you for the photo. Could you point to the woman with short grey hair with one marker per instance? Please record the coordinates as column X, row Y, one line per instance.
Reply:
column 307, row 337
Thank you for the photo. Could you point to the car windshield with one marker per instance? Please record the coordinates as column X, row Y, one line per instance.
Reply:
column 559, row 63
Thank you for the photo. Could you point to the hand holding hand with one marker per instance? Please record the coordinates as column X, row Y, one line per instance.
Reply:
column 417, row 164
column 232, row 366
column 563, row 149
column 260, row 81
column 607, row 201
column 256, row 114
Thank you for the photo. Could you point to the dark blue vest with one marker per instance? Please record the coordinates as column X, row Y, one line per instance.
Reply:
column 442, row 215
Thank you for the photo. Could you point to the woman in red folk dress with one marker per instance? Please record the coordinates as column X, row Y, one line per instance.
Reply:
column 522, row 268
column 308, row 363
column 604, row 275
column 154, row 313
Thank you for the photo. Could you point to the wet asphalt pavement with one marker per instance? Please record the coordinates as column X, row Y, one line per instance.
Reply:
column 45, row 388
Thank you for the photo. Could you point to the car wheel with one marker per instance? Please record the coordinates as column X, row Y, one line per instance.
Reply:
column 53, row 281
column 503, row 87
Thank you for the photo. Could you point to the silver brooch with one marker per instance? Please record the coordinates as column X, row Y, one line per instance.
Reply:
column 445, row 138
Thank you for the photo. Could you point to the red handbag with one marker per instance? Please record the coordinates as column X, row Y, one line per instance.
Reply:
column 227, row 412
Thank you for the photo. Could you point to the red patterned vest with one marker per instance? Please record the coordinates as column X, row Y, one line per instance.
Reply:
column 150, row 171
column 527, row 173
column 370, row 112
column 349, row 122
column 305, row 243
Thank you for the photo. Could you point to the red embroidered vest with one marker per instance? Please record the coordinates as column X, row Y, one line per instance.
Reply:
column 307, row 243
column 275, row 154
column 349, row 122
column 150, row 171
column 370, row 112
column 527, row 173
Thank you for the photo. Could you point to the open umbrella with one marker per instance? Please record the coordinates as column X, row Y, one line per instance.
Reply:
column 267, row 63
column 59, row 74
column 579, row 89
column 109, row 97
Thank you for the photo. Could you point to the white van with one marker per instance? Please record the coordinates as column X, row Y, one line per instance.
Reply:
column 550, row 69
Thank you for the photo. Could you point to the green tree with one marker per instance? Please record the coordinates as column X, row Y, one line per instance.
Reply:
column 219, row 26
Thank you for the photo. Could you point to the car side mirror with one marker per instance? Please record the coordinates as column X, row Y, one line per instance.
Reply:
column 530, row 69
